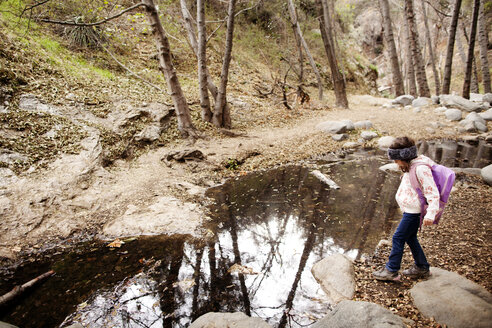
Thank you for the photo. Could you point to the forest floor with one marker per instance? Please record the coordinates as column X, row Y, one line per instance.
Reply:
column 267, row 137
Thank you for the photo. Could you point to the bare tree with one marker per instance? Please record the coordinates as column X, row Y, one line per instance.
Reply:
column 450, row 47
column 326, row 34
column 202, row 62
column 474, row 76
column 390, row 42
column 410, row 68
column 221, row 117
column 297, row 30
column 483, row 43
column 471, row 47
column 423, row 86
column 188, row 22
column 185, row 125
column 431, row 50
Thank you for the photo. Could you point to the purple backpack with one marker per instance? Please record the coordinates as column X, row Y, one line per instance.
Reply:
column 444, row 179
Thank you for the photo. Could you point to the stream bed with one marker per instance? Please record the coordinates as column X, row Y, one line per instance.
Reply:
column 266, row 231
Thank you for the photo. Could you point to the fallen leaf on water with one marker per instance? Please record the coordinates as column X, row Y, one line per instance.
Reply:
column 116, row 243
column 237, row 268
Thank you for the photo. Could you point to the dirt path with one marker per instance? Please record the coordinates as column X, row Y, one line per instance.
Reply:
column 111, row 200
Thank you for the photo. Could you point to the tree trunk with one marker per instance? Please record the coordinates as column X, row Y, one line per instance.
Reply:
column 431, row 50
column 423, row 86
column 202, row 62
column 410, row 68
column 338, row 82
column 221, row 116
column 449, row 53
column 474, row 77
column 297, row 29
column 185, row 125
column 483, row 43
column 471, row 47
column 390, row 41
column 194, row 46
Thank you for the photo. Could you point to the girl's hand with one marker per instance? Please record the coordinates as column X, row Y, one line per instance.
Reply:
column 428, row 222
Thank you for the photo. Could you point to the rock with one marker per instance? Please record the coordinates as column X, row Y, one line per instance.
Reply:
column 453, row 114
column 435, row 100
column 467, row 126
column 336, row 276
column 361, row 315
column 30, row 102
column 487, row 115
column 164, row 215
column 478, row 123
column 421, row 102
column 408, row 107
column 486, row 173
column 487, row 98
column 430, row 130
column 467, row 170
column 385, row 142
column 488, row 138
column 440, row 110
column 183, row 155
column 348, row 124
column 368, row 135
column 149, row 134
column 333, row 127
column 460, row 103
column 350, row 145
column 403, row 100
column 391, row 167
column 453, row 300
column 436, row 125
column 364, row 125
column 476, row 97
column 417, row 110
column 6, row 325
column 228, row 320
column 7, row 177
column 339, row 137
column 11, row 157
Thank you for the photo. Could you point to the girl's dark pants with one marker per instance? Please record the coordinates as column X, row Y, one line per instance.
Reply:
column 407, row 233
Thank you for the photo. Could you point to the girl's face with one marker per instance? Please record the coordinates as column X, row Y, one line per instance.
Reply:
column 404, row 166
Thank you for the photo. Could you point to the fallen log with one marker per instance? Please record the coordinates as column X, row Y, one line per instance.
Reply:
column 323, row 178
column 17, row 290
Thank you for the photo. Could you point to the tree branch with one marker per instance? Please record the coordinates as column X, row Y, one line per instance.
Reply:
column 72, row 23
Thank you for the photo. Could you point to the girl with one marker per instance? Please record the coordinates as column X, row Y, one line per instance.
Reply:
column 404, row 152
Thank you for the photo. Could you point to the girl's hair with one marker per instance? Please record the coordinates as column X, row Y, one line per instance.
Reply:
column 400, row 143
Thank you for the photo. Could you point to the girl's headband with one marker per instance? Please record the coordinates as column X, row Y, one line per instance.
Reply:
column 404, row 154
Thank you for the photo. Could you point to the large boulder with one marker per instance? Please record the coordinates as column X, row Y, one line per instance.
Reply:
column 336, row 276
column 228, row 320
column 487, row 98
column 453, row 300
column 165, row 214
column 487, row 115
column 333, row 127
column 486, row 173
column 348, row 124
column 461, row 103
column 453, row 114
column 475, row 121
column 476, row 97
column 385, row 142
column 403, row 100
column 350, row 314
column 421, row 102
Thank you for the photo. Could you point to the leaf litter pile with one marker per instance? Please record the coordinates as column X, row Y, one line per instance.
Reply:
column 461, row 243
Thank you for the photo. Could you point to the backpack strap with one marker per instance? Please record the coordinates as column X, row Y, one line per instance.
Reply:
column 418, row 188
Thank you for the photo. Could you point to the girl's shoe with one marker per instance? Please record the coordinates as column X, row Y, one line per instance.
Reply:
column 415, row 272
column 386, row 275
